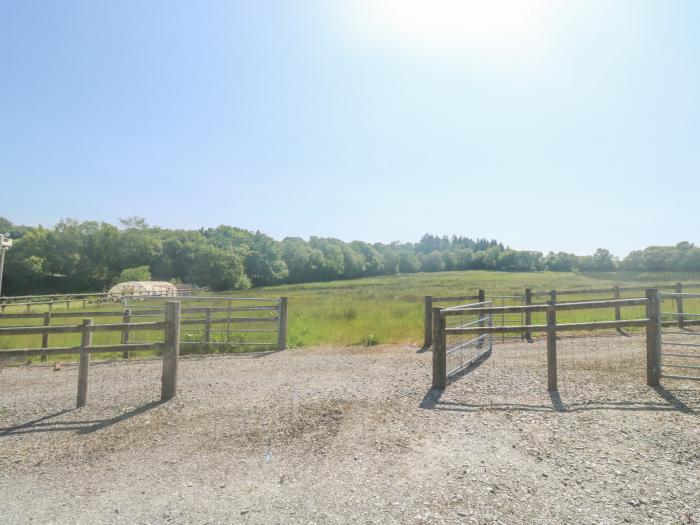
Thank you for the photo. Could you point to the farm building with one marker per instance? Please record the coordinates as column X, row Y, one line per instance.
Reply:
column 143, row 288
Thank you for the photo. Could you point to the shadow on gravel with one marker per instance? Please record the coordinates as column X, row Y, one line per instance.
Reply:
column 632, row 406
column 431, row 401
column 673, row 400
column 432, row 396
column 44, row 424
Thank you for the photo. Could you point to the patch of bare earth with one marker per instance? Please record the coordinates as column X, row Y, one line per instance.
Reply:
column 351, row 435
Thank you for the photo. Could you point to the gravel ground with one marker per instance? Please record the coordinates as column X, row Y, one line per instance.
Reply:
column 353, row 435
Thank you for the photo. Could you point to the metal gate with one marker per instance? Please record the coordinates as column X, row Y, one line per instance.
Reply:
column 680, row 336
column 462, row 351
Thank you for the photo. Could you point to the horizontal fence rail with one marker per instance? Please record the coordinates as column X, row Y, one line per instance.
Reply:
column 506, row 315
column 170, row 346
column 679, row 357
column 456, row 353
column 50, row 300
column 220, row 321
column 484, row 311
column 429, row 303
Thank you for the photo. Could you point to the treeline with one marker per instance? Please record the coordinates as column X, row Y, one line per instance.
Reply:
column 88, row 256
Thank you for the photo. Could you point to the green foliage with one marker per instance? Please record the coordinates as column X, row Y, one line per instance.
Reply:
column 88, row 256
column 370, row 340
column 140, row 273
column 390, row 308
column 383, row 309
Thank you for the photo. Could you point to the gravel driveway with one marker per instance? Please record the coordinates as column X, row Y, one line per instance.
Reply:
column 352, row 435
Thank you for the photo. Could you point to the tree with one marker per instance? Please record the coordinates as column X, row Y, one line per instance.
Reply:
column 560, row 262
column 408, row 262
column 219, row 269
column 140, row 273
column 135, row 222
column 603, row 260
column 433, row 262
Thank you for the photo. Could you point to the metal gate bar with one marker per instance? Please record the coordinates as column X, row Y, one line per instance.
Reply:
column 675, row 360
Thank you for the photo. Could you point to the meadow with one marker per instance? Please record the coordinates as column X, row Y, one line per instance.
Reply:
column 389, row 310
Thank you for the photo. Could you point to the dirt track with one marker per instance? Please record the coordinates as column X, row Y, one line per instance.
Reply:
column 353, row 435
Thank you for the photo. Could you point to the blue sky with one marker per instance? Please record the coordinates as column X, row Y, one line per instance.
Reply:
column 549, row 125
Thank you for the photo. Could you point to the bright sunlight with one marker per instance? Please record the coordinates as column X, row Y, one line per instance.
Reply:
column 452, row 27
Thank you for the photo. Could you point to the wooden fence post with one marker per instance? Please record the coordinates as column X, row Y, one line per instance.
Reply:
column 45, row 336
column 616, row 296
column 126, row 319
column 228, row 323
column 552, row 345
column 428, row 322
column 207, row 326
column 679, row 304
column 481, row 299
column 171, row 351
column 553, row 299
column 439, row 351
column 618, row 310
column 84, row 369
column 528, row 314
column 282, row 329
column 653, row 337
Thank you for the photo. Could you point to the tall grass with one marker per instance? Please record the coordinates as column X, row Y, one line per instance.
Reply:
column 388, row 309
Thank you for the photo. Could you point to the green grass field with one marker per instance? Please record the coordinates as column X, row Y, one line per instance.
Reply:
column 390, row 309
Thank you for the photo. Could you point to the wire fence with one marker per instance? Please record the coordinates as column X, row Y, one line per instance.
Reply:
column 221, row 323
column 680, row 345
column 463, row 350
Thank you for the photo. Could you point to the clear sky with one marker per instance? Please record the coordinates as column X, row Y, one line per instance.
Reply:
column 549, row 125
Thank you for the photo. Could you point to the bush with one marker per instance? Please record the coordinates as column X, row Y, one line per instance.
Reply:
column 139, row 273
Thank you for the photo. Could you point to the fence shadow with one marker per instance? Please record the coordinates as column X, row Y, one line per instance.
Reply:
column 45, row 423
column 673, row 400
column 469, row 369
column 670, row 403
column 432, row 396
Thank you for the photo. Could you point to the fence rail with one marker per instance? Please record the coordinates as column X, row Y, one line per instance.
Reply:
column 677, row 295
column 192, row 317
column 212, row 322
column 93, row 297
column 452, row 357
column 170, row 347
column 652, row 322
column 429, row 303
column 679, row 356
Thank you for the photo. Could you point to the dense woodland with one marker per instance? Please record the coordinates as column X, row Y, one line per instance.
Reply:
column 91, row 256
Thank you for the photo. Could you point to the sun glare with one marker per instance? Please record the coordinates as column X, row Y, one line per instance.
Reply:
column 451, row 27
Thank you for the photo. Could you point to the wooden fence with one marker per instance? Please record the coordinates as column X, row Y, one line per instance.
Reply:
column 170, row 346
column 83, row 299
column 235, row 320
column 652, row 322
column 430, row 302
column 552, row 295
column 207, row 317
column 679, row 356
column 28, row 301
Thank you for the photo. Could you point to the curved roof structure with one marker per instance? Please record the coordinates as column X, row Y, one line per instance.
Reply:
column 149, row 288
